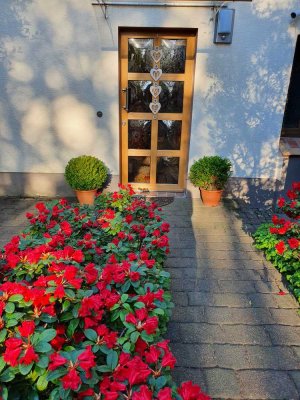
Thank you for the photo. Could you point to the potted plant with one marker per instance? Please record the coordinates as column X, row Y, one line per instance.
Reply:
column 86, row 174
column 210, row 174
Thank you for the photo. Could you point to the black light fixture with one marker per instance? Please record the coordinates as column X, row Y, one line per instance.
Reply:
column 224, row 25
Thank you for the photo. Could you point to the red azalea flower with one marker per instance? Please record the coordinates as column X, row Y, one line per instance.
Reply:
column 165, row 227
column 274, row 231
column 144, row 255
column 12, row 351
column 168, row 360
column 87, row 361
column 280, row 247
column 165, row 394
column 188, row 391
column 291, row 195
column 29, row 356
column 71, row 380
column 85, row 393
column 56, row 361
column 150, row 325
column 281, row 202
column 66, row 227
column 143, row 394
column 59, row 292
column 293, row 243
column 152, row 355
column 27, row 328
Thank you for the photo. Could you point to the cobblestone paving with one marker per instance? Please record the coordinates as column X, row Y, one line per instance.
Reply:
column 230, row 330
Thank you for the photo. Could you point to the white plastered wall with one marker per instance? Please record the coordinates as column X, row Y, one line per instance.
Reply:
column 59, row 65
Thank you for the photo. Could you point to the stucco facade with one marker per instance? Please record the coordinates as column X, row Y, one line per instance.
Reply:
column 59, row 66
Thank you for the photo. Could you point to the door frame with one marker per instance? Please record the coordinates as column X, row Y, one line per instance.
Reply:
column 183, row 153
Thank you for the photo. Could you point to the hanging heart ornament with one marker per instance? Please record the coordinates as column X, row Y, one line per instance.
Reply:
column 154, row 107
column 155, row 73
column 155, row 90
column 156, row 55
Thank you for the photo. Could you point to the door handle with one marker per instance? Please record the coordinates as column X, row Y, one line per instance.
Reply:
column 127, row 92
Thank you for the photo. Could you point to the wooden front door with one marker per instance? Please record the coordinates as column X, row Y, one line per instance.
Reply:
column 156, row 91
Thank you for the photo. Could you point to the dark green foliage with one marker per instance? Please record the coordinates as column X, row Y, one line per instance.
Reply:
column 210, row 172
column 86, row 173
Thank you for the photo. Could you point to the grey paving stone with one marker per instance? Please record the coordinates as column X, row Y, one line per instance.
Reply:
column 295, row 375
column 272, row 357
column 201, row 299
column 283, row 316
column 180, row 298
column 194, row 355
column 188, row 314
column 267, row 385
column 231, row 356
column 234, row 315
column 222, row 383
column 272, row 300
column 195, row 333
column 268, row 287
column 284, row 335
column 231, row 300
column 246, row 334
column 237, row 286
column 183, row 285
column 182, row 273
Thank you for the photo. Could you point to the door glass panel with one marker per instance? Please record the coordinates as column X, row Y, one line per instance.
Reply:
column 139, row 134
column 173, row 60
column 140, row 96
column 171, row 97
column 139, row 57
column 139, row 169
column 169, row 135
column 167, row 170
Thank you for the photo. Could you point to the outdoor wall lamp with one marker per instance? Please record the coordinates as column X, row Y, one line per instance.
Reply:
column 224, row 25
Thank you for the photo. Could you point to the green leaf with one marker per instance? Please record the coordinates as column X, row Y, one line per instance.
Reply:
column 11, row 322
column 112, row 359
column 7, row 376
column 47, row 335
column 91, row 334
column 53, row 375
column 139, row 304
column 42, row 347
column 42, row 382
column 54, row 395
column 160, row 382
column 2, row 364
column 43, row 362
column 127, row 347
column 10, row 308
column 103, row 368
column 3, row 333
column 16, row 297
column 72, row 327
column 134, row 336
column 124, row 297
column 66, row 305
column 25, row 369
column 4, row 393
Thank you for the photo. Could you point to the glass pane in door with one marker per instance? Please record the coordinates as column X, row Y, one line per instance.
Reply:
column 139, row 56
column 139, row 169
column 169, row 135
column 171, row 97
column 173, row 59
column 139, row 134
column 167, row 170
column 139, row 96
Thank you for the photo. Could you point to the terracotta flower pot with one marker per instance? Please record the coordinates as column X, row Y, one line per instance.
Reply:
column 86, row 196
column 211, row 198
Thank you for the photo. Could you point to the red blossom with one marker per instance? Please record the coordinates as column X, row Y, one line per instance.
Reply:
column 143, row 394
column 281, row 202
column 293, row 243
column 27, row 328
column 56, row 361
column 165, row 394
column 280, row 247
column 188, row 391
column 86, row 361
column 29, row 356
column 71, row 380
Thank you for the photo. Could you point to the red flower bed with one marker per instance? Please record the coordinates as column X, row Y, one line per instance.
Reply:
column 84, row 302
column 280, row 240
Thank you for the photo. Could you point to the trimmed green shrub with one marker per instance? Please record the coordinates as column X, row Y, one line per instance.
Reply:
column 210, row 172
column 86, row 173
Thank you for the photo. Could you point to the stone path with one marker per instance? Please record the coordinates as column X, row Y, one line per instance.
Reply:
column 230, row 331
